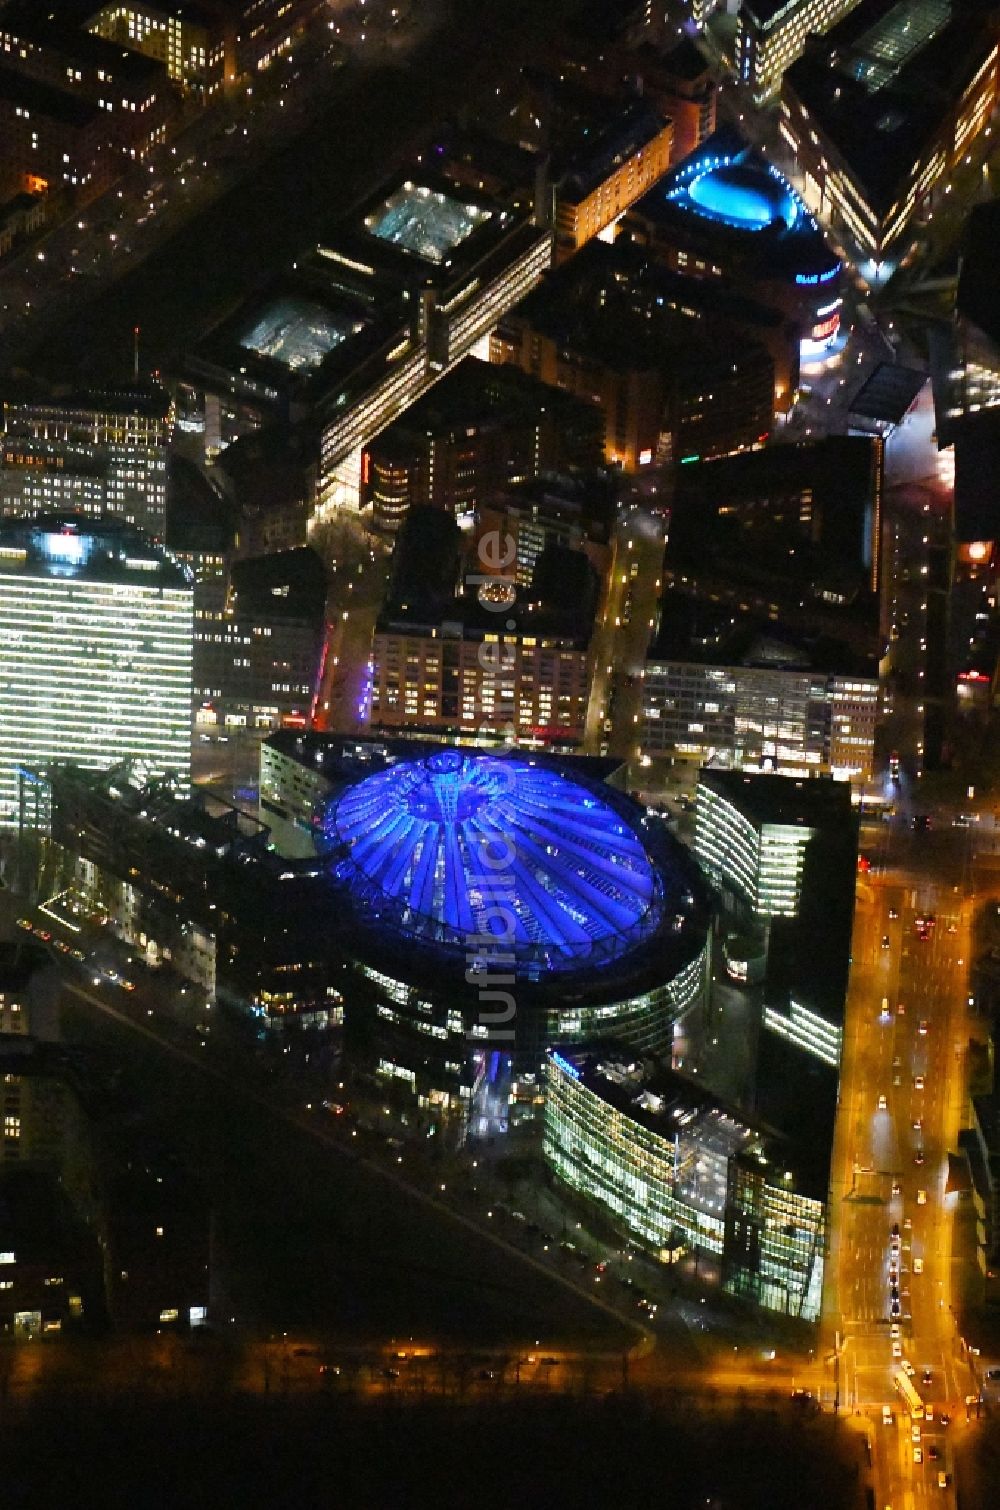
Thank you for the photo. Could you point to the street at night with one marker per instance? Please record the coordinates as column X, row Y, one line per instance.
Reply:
column 499, row 798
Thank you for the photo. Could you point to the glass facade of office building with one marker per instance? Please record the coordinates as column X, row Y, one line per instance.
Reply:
column 676, row 1172
column 774, row 1241
column 762, row 861
column 758, row 718
column 96, row 633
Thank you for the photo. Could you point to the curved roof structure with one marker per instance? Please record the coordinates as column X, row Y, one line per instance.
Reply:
column 492, row 854
column 743, row 196
column 727, row 197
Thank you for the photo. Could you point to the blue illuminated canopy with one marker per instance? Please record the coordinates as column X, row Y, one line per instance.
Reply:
column 725, row 199
column 496, row 856
column 742, row 196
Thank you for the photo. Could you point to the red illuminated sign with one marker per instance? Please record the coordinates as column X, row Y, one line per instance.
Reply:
column 825, row 330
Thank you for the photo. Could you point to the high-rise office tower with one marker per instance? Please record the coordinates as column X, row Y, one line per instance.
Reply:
column 96, row 630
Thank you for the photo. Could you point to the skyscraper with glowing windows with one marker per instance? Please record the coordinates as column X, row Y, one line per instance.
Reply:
column 96, row 630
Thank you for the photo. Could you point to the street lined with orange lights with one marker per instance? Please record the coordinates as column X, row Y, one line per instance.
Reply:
column 889, row 1319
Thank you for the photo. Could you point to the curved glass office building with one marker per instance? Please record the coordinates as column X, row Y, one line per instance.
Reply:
column 680, row 1174
column 495, row 905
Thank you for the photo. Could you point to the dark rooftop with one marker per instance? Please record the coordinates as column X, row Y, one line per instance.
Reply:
column 977, row 465
column 19, row 961
column 131, row 398
column 650, row 286
column 267, row 469
column 809, row 955
column 77, row 546
column 887, row 393
column 55, row 104
column 18, row 204
column 509, row 164
column 286, row 585
column 812, row 802
column 881, row 102
column 198, row 517
column 748, row 582
column 624, row 132
column 38, row 1225
column 58, row 30
column 705, row 632
column 607, row 20
column 654, row 1078
column 796, row 1093
column 613, row 304
column 427, row 572
column 476, row 394
column 978, row 296
column 685, row 61
column 987, row 1112
column 750, row 506
column 589, row 496
column 808, row 967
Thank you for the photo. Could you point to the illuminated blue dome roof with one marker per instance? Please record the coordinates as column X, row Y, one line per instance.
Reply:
column 481, row 852
column 743, row 196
